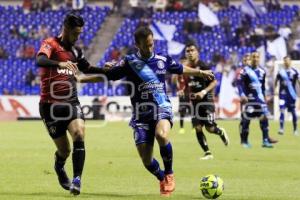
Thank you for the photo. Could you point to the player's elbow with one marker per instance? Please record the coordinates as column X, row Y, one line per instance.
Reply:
column 38, row 60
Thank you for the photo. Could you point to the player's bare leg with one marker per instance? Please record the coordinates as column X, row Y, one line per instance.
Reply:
column 151, row 164
column 162, row 131
column 62, row 153
column 76, row 128
column 219, row 131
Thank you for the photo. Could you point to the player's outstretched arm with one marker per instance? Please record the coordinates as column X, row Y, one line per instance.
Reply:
column 43, row 61
column 196, row 72
column 90, row 79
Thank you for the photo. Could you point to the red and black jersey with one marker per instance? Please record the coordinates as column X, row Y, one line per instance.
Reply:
column 197, row 84
column 59, row 85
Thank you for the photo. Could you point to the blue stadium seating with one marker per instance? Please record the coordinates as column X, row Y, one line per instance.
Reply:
column 13, row 69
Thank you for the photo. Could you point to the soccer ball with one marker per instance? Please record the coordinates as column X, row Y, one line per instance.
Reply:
column 211, row 186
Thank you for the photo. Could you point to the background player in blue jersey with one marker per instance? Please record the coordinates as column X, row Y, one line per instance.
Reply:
column 287, row 78
column 152, row 110
column 251, row 85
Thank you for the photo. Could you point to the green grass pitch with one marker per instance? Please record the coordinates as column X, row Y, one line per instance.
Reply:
column 114, row 171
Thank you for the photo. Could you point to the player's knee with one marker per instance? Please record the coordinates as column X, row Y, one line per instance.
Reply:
column 210, row 129
column 161, row 136
column 78, row 135
column 65, row 152
column 198, row 128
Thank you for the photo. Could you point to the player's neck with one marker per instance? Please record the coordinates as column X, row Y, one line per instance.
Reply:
column 194, row 62
column 64, row 40
column 145, row 57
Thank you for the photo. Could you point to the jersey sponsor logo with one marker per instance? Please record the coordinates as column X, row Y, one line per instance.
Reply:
column 64, row 71
column 161, row 71
column 151, row 86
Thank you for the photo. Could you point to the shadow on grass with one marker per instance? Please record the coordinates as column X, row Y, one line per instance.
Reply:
column 104, row 195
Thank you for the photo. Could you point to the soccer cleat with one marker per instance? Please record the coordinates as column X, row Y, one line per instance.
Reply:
column 246, row 145
column 163, row 192
column 207, row 156
column 267, row 144
column 169, row 183
column 296, row 133
column 281, row 132
column 272, row 141
column 224, row 137
column 181, row 131
column 63, row 179
column 75, row 186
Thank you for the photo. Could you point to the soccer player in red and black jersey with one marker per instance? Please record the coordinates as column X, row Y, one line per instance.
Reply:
column 201, row 96
column 58, row 60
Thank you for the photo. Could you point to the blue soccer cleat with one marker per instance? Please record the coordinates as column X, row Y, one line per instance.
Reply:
column 75, row 186
column 246, row 145
column 267, row 144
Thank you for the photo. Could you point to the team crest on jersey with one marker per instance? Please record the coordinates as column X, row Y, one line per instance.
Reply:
column 160, row 64
column 52, row 130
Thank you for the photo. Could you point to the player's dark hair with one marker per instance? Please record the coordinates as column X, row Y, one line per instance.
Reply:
column 190, row 44
column 73, row 20
column 142, row 33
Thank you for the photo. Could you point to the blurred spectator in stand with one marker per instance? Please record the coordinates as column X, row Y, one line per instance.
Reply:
column 23, row 32
column 25, row 52
column 226, row 25
column 6, row 92
column 174, row 5
column 144, row 22
column 27, row 4
column 160, row 5
column 43, row 32
column 117, row 5
column 190, row 5
column 17, row 92
column 30, row 78
column 271, row 5
column 3, row 54
column 14, row 31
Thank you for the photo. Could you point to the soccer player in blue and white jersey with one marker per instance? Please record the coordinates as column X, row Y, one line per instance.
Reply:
column 287, row 78
column 152, row 110
column 251, row 86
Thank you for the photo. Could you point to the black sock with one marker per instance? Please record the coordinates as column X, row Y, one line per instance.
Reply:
column 216, row 131
column 59, row 161
column 78, row 158
column 202, row 140
column 181, row 120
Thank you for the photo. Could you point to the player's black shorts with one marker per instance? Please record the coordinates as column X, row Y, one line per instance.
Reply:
column 184, row 106
column 203, row 115
column 57, row 116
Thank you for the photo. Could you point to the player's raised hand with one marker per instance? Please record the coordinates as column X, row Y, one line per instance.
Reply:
column 180, row 93
column 69, row 65
column 200, row 95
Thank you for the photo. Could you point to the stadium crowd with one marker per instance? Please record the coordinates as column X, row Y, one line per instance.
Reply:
column 239, row 36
